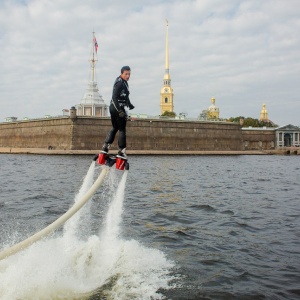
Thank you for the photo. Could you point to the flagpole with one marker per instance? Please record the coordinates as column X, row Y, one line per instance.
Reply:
column 93, row 57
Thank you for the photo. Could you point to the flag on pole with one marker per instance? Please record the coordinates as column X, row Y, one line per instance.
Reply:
column 96, row 44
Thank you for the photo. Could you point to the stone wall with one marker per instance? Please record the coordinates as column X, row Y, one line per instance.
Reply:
column 258, row 139
column 37, row 133
column 184, row 135
column 147, row 134
column 88, row 133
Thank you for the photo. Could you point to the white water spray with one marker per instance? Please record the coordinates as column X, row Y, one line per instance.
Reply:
column 73, row 225
column 73, row 267
column 114, row 215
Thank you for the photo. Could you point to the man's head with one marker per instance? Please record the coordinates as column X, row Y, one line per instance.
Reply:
column 125, row 73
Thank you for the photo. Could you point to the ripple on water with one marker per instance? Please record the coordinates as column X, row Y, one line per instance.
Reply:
column 205, row 207
column 228, row 212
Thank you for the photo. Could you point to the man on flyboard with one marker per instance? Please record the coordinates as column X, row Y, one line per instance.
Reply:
column 120, row 100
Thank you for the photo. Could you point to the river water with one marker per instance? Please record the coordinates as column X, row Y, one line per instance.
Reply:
column 174, row 227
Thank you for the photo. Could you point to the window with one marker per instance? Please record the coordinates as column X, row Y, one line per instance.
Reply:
column 166, row 100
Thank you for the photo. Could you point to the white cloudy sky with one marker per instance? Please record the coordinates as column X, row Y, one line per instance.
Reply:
column 242, row 52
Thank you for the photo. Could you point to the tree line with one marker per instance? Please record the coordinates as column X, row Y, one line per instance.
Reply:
column 252, row 122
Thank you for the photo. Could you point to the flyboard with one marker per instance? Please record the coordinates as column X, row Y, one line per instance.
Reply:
column 102, row 159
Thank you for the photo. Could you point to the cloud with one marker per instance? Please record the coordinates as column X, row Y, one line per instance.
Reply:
column 243, row 53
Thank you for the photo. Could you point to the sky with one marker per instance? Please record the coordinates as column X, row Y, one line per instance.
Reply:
column 243, row 53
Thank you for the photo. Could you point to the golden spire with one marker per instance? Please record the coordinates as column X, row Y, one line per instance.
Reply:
column 264, row 114
column 213, row 111
column 166, row 92
column 167, row 74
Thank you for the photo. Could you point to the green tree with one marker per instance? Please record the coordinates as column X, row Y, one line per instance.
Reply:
column 170, row 114
column 252, row 122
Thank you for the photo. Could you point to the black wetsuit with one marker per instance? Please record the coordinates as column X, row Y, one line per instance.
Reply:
column 120, row 100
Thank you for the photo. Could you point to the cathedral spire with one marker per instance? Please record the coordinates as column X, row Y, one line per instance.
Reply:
column 167, row 49
column 166, row 93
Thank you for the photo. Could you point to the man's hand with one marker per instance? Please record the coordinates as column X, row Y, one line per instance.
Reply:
column 121, row 113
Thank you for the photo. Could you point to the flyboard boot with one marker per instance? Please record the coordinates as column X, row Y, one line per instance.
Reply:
column 121, row 160
column 103, row 155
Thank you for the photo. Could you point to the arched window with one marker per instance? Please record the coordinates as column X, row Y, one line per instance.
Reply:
column 166, row 100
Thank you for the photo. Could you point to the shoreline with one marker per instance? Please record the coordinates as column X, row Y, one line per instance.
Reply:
column 42, row 151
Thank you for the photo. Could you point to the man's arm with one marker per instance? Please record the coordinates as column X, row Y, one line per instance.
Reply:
column 130, row 104
column 116, row 92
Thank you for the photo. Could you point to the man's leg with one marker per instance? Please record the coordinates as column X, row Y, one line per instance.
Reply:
column 112, row 133
column 122, row 135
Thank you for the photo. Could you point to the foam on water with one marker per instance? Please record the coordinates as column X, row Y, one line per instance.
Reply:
column 73, row 267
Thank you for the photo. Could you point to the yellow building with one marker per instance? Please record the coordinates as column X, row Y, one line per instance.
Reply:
column 166, row 93
column 213, row 111
column 264, row 114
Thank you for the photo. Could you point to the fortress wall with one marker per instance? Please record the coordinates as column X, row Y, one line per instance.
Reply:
column 258, row 139
column 147, row 134
column 88, row 133
column 37, row 134
column 184, row 135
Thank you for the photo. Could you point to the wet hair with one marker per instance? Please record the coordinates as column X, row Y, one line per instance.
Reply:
column 125, row 68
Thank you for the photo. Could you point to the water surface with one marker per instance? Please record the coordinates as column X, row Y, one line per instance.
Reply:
column 220, row 227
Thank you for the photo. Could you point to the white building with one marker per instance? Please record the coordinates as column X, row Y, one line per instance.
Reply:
column 287, row 136
column 92, row 103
